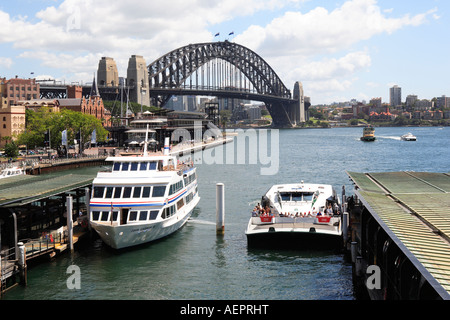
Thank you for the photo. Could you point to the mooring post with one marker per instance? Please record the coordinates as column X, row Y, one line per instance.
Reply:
column 22, row 261
column 220, row 209
column 87, row 200
column 69, row 203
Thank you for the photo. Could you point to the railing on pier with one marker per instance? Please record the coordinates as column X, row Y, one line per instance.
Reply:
column 44, row 244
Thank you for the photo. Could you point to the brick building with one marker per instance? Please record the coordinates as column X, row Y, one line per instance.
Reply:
column 16, row 89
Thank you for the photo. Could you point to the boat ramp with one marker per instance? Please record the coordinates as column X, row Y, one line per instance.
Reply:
column 400, row 228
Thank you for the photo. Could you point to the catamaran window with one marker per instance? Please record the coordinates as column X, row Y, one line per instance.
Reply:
column 132, row 216
column 109, row 192
column 105, row 215
column 153, row 214
column 95, row 215
column 158, row 191
column 143, row 166
column 285, row 196
column 125, row 166
column 117, row 192
column 126, row 192
column 116, row 166
column 296, row 197
column 153, row 165
column 98, row 192
column 134, row 166
column 308, row 196
column 146, row 192
column 143, row 216
column 137, row 192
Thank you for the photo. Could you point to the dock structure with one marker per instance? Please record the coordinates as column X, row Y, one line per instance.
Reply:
column 400, row 227
column 33, row 215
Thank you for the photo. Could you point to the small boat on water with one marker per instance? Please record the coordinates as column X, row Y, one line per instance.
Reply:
column 296, row 215
column 368, row 134
column 408, row 137
column 11, row 172
column 142, row 199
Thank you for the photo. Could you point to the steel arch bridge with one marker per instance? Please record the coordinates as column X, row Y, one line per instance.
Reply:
column 224, row 69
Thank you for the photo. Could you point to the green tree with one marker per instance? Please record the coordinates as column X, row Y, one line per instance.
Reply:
column 11, row 150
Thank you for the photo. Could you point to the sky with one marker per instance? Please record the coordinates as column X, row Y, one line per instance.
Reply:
column 338, row 49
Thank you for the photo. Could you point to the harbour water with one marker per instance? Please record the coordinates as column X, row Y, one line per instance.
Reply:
column 195, row 263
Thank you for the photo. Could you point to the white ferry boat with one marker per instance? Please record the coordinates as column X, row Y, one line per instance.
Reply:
column 296, row 215
column 143, row 198
column 11, row 172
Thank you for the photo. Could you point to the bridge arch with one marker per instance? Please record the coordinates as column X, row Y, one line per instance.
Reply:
column 175, row 67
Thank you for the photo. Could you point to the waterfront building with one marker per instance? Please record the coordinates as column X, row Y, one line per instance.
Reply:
column 12, row 121
column 395, row 96
column 19, row 89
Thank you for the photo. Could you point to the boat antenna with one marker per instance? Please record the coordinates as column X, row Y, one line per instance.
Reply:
column 145, row 142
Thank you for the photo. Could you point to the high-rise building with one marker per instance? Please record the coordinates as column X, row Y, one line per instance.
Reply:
column 395, row 96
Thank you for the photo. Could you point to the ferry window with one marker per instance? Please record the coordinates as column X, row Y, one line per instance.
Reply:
column 296, row 197
column 117, row 192
column 180, row 204
column 95, row 215
column 143, row 166
column 137, row 192
column 152, row 165
column 146, row 192
column 115, row 214
column 134, row 166
column 159, row 191
column 285, row 196
column 143, row 215
column 153, row 214
column 105, row 215
column 132, row 216
column 109, row 191
column 126, row 192
column 98, row 192
column 125, row 166
column 116, row 166
column 308, row 196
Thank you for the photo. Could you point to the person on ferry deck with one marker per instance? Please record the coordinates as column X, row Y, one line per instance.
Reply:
column 329, row 211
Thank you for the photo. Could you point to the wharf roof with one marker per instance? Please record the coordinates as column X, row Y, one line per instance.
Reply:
column 24, row 189
column 414, row 209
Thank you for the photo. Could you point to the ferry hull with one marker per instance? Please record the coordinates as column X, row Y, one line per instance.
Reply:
column 294, row 240
column 119, row 237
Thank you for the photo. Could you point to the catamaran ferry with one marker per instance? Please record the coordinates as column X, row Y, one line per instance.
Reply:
column 143, row 198
column 296, row 215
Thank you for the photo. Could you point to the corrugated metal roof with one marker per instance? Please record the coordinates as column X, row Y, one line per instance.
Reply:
column 415, row 207
column 24, row 189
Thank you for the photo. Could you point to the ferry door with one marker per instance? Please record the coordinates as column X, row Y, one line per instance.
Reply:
column 123, row 216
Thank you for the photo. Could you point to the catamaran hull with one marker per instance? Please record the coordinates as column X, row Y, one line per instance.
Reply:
column 294, row 240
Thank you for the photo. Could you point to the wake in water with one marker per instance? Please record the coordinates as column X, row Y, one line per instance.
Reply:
column 390, row 137
column 200, row 221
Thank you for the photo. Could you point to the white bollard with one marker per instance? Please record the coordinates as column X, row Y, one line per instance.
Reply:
column 69, row 203
column 220, row 208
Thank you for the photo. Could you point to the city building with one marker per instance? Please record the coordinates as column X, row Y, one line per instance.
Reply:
column 137, row 79
column 16, row 89
column 395, row 96
column 12, row 121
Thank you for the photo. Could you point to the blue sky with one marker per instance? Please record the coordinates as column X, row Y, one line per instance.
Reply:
column 339, row 50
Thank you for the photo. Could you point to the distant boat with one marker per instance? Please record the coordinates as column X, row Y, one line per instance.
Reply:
column 368, row 134
column 11, row 172
column 408, row 137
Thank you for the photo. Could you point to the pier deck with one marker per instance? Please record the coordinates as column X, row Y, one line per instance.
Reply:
column 413, row 208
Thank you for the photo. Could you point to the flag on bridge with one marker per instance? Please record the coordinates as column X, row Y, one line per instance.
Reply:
column 217, row 34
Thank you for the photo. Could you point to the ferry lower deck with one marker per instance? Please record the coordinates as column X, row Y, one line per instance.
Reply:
column 400, row 222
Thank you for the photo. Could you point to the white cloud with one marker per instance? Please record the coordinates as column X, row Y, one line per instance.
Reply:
column 6, row 62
